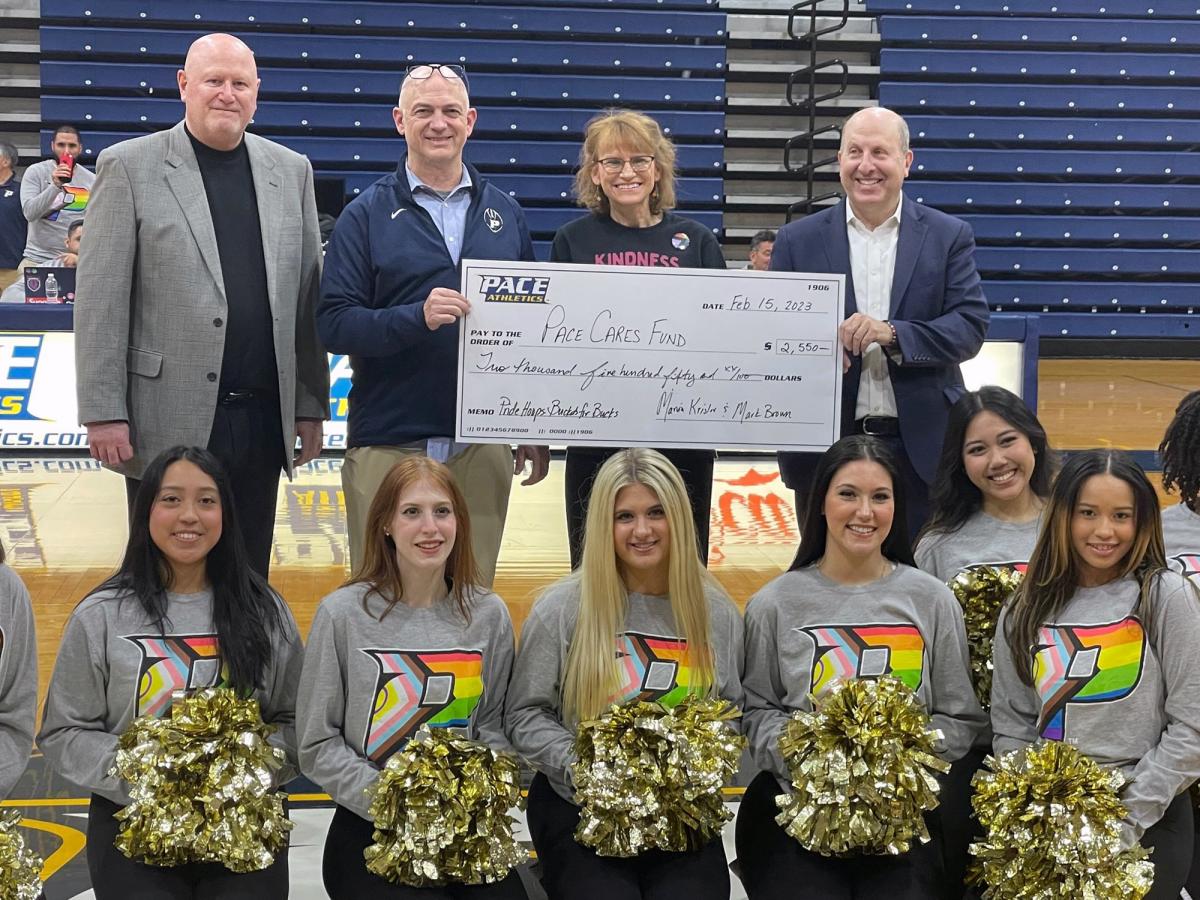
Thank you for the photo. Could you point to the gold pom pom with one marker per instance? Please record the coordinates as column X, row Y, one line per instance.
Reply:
column 441, row 813
column 1052, row 823
column 982, row 591
column 863, row 770
column 202, row 785
column 651, row 778
column 20, row 867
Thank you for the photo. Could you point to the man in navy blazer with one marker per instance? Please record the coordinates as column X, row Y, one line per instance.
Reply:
column 914, row 304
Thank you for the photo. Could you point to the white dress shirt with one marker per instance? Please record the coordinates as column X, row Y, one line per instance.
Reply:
column 872, row 265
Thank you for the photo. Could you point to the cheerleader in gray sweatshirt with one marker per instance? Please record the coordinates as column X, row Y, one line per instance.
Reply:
column 18, row 678
column 408, row 642
column 1180, row 455
column 852, row 606
column 184, row 611
column 993, row 479
column 639, row 620
column 1098, row 648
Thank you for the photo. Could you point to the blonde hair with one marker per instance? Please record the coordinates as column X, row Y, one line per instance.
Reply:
column 638, row 132
column 379, row 568
column 592, row 674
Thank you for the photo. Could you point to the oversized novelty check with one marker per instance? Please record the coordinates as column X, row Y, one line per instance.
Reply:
column 621, row 356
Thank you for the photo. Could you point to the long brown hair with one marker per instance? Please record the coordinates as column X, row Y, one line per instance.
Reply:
column 379, row 568
column 1053, row 574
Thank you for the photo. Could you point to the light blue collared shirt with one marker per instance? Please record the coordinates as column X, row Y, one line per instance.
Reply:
column 449, row 214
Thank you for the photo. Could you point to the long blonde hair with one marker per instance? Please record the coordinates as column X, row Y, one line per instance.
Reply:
column 592, row 674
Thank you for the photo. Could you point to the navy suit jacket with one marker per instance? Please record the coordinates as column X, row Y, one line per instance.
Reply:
column 937, row 308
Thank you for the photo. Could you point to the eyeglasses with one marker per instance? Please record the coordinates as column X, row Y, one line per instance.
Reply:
column 614, row 165
column 421, row 71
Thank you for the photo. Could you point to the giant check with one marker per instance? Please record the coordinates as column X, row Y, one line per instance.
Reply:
column 626, row 356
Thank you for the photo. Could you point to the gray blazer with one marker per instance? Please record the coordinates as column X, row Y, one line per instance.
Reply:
column 150, row 300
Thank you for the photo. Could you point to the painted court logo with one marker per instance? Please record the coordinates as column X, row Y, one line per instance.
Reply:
column 514, row 288
column 1085, row 664
column 848, row 652
column 440, row 688
column 653, row 668
column 176, row 662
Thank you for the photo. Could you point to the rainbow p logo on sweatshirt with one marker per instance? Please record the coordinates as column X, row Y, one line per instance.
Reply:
column 848, row 652
column 1085, row 664
column 439, row 688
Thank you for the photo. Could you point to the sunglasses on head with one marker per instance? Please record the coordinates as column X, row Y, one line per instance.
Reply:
column 421, row 71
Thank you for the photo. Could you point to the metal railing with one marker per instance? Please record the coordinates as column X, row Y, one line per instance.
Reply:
column 803, row 81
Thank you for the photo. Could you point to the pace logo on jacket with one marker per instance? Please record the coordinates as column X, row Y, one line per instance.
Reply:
column 1187, row 564
column 1085, row 664
column 439, row 688
column 174, row 662
column 848, row 652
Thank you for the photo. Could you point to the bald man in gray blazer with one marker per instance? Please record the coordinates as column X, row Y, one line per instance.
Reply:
column 196, row 291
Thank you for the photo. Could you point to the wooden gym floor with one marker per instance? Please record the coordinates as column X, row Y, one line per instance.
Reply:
column 62, row 521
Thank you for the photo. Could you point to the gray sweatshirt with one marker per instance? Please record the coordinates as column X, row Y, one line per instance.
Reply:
column 368, row 685
column 51, row 209
column 652, row 653
column 804, row 632
column 114, row 666
column 1100, row 685
column 982, row 540
column 1181, row 532
column 18, row 679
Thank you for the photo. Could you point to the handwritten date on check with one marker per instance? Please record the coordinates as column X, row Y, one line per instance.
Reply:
column 621, row 356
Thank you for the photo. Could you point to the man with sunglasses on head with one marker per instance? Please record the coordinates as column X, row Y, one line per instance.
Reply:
column 390, row 300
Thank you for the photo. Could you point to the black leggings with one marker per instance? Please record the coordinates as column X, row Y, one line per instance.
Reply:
column 1171, row 840
column 959, row 827
column 696, row 467
column 571, row 871
column 773, row 865
column 116, row 877
column 346, row 875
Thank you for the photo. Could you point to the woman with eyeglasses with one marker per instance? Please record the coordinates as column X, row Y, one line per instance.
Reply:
column 626, row 178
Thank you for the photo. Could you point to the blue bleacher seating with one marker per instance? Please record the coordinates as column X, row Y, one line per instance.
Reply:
column 1111, row 296
column 1013, row 131
column 565, row 88
column 1016, row 67
column 1067, row 165
column 398, row 18
column 1066, row 99
column 1082, row 34
column 1080, row 230
column 1131, row 9
column 294, row 49
column 1079, row 198
column 343, row 118
column 1076, row 261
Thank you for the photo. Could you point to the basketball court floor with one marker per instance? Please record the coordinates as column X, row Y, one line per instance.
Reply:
column 62, row 520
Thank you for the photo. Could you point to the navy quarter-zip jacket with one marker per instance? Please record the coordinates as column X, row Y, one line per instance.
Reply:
column 385, row 256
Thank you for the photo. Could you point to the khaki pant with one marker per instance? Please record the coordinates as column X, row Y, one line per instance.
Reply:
column 484, row 473
column 7, row 277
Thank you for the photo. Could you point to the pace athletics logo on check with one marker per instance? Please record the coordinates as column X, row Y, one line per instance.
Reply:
column 514, row 288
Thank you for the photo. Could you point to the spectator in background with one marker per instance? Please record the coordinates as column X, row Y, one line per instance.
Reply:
column 70, row 259
column 12, row 219
column 390, row 299
column 760, row 250
column 53, row 195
